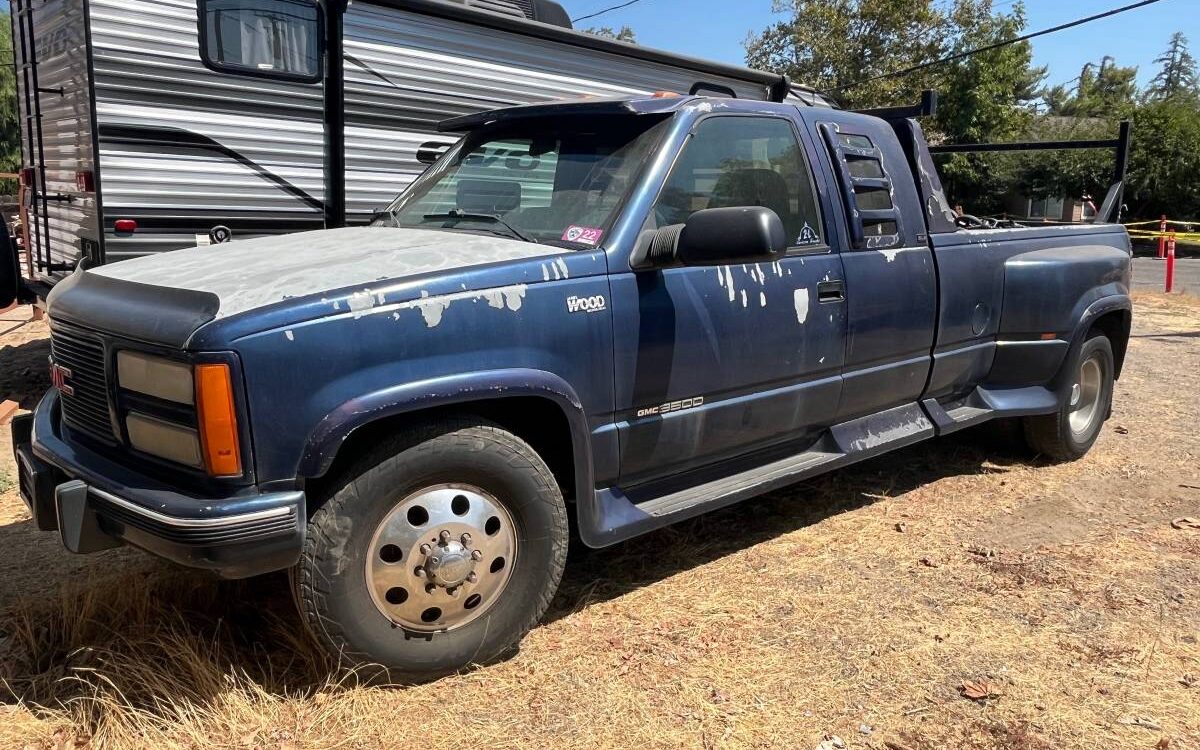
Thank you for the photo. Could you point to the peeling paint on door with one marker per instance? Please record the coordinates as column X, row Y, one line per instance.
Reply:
column 801, row 300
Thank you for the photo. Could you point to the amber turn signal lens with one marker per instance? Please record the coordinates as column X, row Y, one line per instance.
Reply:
column 218, row 420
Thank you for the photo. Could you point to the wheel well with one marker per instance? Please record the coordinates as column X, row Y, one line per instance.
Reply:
column 538, row 421
column 1115, row 326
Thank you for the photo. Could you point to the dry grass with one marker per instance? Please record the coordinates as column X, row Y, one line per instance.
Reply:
column 793, row 616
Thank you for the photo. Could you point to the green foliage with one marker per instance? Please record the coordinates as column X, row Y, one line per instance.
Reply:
column 623, row 34
column 1101, row 91
column 1164, row 168
column 986, row 97
column 995, row 96
column 832, row 43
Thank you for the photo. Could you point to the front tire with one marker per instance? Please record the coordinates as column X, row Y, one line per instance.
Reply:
column 1069, row 433
column 441, row 550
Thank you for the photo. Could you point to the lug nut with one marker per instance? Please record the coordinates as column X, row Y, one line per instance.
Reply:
column 429, row 588
column 444, row 536
column 472, row 578
column 426, row 548
column 465, row 539
column 453, row 592
column 476, row 555
column 420, row 571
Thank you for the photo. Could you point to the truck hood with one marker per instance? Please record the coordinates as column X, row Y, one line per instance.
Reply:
column 165, row 298
column 248, row 274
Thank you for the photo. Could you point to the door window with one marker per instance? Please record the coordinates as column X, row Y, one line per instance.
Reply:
column 744, row 161
column 267, row 38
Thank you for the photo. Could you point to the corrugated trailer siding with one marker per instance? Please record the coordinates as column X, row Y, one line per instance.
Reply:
column 406, row 71
column 231, row 140
column 61, row 52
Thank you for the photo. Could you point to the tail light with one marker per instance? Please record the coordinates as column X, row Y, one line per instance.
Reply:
column 125, row 226
column 27, row 177
column 85, row 181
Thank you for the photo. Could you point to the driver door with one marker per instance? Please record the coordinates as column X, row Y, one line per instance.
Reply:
column 716, row 361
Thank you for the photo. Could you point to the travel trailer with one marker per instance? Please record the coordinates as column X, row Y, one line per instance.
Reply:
column 150, row 125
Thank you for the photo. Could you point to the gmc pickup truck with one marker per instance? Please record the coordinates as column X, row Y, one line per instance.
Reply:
column 611, row 314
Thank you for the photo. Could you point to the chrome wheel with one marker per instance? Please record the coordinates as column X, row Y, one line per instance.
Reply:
column 441, row 557
column 1086, row 396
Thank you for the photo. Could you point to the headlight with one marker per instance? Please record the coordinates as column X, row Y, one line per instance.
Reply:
column 212, row 443
column 155, row 376
column 164, row 439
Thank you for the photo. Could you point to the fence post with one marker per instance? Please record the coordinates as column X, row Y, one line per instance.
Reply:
column 1170, row 281
column 1162, row 237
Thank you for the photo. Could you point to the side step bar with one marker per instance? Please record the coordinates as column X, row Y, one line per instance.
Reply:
column 619, row 516
column 614, row 514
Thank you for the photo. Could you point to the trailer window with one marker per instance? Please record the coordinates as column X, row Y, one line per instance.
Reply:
column 265, row 38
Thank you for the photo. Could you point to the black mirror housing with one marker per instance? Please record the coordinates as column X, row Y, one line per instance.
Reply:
column 741, row 234
column 428, row 152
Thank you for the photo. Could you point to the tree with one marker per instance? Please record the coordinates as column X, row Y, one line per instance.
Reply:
column 1101, row 91
column 624, row 34
column 10, row 121
column 1177, row 77
column 829, row 44
column 984, row 97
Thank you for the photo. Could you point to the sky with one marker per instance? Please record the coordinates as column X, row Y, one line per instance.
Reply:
column 716, row 29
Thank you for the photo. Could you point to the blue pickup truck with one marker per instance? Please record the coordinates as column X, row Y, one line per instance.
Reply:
column 606, row 314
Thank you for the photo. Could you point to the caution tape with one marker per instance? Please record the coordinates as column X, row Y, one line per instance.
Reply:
column 1176, row 235
column 1190, row 238
column 1161, row 221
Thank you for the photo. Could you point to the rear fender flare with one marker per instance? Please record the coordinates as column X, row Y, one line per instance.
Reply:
column 457, row 390
column 1085, row 320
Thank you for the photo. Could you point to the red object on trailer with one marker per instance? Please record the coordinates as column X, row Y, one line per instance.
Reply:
column 1170, row 282
column 1162, row 236
column 125, row 226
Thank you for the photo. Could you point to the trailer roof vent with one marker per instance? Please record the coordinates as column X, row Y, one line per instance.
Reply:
column 507, row 7
column 545, row 11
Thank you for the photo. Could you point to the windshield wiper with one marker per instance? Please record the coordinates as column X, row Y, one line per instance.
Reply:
column 457, row 214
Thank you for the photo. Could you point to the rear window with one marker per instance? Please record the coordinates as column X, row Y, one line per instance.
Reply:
column 263, row 38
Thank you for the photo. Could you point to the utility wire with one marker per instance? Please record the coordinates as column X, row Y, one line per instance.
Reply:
column 996, row 45
column 606, row 10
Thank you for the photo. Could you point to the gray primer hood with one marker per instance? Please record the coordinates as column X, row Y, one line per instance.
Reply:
column 248, row 274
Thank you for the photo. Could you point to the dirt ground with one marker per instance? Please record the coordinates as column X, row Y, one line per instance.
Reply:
column 957, row 594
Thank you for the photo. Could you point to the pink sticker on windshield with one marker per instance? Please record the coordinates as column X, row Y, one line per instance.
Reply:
column 583, row 235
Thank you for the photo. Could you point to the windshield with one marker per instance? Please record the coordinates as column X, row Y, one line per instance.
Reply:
column 558, row 180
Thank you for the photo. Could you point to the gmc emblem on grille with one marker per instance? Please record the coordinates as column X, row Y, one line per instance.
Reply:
column 58, row 378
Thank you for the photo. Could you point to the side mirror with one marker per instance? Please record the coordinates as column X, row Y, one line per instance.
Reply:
column 715, row 236
column 428, row 152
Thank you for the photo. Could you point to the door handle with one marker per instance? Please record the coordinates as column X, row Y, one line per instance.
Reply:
column 831, row 291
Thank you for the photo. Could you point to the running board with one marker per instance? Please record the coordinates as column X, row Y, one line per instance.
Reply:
column 616, row 514
column 738, row 484
column 983, row 404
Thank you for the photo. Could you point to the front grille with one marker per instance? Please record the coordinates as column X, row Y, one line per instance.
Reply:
column 86, row 408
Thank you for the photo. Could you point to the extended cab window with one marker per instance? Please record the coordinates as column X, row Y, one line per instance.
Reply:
column 866, row 189
column 744, row 161
column 267, row 38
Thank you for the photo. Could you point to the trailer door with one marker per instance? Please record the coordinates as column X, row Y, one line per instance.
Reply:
column 57, row 145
